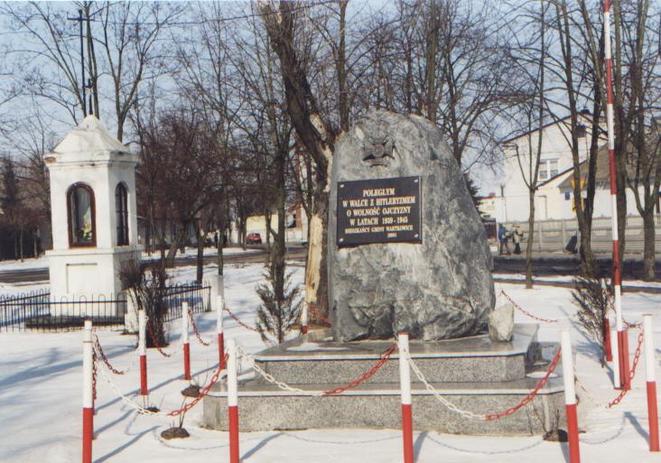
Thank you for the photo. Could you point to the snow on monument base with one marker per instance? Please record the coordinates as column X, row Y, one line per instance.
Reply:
column 474, row 374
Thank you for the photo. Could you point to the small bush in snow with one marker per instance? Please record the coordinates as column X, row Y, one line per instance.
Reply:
column 276, row 316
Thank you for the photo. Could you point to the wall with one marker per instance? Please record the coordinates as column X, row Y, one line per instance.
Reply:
column 553, row 235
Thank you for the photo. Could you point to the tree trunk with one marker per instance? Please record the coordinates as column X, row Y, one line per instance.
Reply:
column 316, row 284
column 200, row 254
column 20, row 243
column 531, row 230
column 649, row 252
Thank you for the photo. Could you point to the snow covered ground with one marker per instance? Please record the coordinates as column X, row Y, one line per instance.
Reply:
column 40, row 399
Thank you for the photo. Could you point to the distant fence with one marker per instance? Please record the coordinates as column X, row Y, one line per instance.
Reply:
column 37, row 311
column 553, row 235
column 197, row 296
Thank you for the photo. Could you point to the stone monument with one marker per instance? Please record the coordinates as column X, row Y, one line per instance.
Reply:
column 407, row 250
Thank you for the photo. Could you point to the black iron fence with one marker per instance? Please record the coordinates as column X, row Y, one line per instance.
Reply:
column 37, row 311
column 197, row 296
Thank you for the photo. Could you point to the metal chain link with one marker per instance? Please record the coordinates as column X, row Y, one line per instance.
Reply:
column 154, row 339
column 525, row 312
column 238, row 320
column 94, row 372
column 99, row 351
column 145, row 411
column 446, row 403
column 632, row 373
column 196, row 330
column 383, row 358
column 490, row 416
column 268, row 377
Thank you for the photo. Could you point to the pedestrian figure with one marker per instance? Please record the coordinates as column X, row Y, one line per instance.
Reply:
column 516, row 239
column 503, row 238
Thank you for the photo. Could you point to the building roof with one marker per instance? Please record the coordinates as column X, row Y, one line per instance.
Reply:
column 90, row 138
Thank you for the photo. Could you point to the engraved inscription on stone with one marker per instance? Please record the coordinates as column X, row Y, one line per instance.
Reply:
column 383, row 210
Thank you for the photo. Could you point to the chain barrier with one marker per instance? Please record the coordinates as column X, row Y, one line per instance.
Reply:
column 489, row 416
column 145, row 411
column 525, row 312
column 238, row 320
column 154, row 339
column 203, row 392
column 531, row 395
column 196, row 330
column 383, row 358
column 632, row 325
column 632, row 373
column 94, row 374
column 98, row 350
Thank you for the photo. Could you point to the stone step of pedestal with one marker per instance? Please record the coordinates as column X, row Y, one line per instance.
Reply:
column 315, row 359
column 264, row 407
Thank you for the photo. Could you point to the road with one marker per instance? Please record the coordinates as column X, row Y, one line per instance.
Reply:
column 294, row 253
column 547, row 265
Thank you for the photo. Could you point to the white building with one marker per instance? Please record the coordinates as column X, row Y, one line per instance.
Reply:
column 94, row 217
column 554, row 197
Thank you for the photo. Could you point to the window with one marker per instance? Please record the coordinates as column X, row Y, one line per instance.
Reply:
column 81, row 215
column 122, row 215
column 548, row 168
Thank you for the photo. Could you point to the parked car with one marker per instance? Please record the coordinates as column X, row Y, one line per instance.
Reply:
column 254, row 238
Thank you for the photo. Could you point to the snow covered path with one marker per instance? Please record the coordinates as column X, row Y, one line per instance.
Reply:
column 40, row 400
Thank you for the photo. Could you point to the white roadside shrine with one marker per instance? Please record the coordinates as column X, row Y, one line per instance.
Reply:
column 94, row 218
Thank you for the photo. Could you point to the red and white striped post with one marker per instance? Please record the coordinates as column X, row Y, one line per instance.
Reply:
column 652, row 407
column 570, row 397
column 606, row 332
column 142, row 352
column 622, row 338
column 616, row 363
column 233, row 401
column 405, row 387
column 220, row 306
column 88, row 392
column 185, row 340
column 304, row 319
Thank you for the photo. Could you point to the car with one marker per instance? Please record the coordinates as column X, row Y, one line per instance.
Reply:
column 254, row 238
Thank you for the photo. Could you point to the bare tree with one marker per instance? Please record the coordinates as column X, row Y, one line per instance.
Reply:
column 312, row 128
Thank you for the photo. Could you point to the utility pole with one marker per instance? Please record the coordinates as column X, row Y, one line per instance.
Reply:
column 80, row 20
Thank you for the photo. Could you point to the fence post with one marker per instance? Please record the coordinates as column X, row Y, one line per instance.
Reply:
column 232, row 401
column 570, row 397
column 606, row 328
column 220, row 305
column 185, row 340
column 304, row 318
column 88, row 392
column 616, row 363
column 131, row 322
column 622, row 341
column 652, row 408
column 405, row 387
column 142, row 351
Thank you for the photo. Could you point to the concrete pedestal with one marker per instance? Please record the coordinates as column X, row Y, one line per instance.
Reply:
column 474, row 374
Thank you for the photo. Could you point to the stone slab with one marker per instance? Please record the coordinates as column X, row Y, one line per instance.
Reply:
column 317, row 359
column 373, row 406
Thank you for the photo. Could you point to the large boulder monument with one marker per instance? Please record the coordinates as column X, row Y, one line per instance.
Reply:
column 407, row 250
